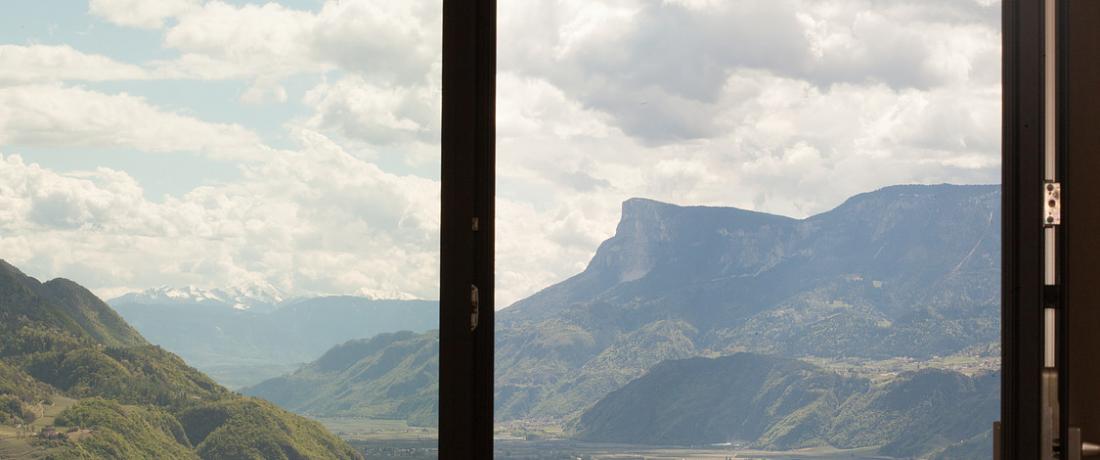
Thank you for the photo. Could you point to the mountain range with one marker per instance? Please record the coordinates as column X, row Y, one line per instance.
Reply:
column 907, row 271
column 123, row 397
column 256, row 297
column 720, row 304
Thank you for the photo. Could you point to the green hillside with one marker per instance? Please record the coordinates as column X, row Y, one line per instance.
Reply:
column 135, row 400
column 123, row 432
column 780, row 403
column 775, row 402
column 17, row 392
column 390, row 376
column 248, row 428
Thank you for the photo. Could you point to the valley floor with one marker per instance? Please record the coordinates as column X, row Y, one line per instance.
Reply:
column 538, row 450
column 885, row 370
column 394, row 440
column 405, row 449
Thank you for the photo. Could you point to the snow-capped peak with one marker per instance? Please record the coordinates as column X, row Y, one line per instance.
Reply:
column 238, row 297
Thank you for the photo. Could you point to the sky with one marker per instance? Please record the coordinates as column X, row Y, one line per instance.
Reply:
column 293, row 146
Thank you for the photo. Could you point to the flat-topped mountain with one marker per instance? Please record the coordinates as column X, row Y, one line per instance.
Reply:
column 903, row 237
column 903, row 271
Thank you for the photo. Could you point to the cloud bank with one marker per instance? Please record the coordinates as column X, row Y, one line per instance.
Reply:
column 786, row 106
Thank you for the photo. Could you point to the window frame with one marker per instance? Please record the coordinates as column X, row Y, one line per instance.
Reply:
column 467, row 221
column 1022, row 280
column 467, row 229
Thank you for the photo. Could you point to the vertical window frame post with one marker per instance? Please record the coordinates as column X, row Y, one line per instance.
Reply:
column 1022, row 230
column 466, row 319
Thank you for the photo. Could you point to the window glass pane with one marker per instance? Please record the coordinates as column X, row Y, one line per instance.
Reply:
column 744, row 228
column 245, row 197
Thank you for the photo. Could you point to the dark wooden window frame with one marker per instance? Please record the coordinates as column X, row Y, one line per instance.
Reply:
column 1022, row 284
column 467, row 228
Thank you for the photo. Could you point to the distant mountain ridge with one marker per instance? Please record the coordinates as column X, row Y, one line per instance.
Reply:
column 907, row 270
column 389, row 376
column 133, row 399
column 244, row 347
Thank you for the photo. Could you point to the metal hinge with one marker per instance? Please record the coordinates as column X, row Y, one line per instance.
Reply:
column 474, row 308
column 1052, row 204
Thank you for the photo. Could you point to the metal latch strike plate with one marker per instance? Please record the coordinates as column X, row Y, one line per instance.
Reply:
column 474, row 307
column 1052, row 204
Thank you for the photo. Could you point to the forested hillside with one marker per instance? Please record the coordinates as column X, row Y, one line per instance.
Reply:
column 778, row 403
column 134, row 400
column 389, row 376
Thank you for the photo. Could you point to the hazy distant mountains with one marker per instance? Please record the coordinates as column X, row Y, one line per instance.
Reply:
column 240, row 347
column 255, row 298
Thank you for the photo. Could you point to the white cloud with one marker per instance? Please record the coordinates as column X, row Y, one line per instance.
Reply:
column 396, row 42
column 392, row 42
column 60, row 116
column 377, row 113
column 786, row 106
column 310, row 220
column 140, row 13
column 674, row 58
column 39, row 63
column 220, row 41
column 263, row 91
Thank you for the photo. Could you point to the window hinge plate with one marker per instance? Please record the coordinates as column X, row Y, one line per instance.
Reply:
column 1052, row 204
column 1052, row 296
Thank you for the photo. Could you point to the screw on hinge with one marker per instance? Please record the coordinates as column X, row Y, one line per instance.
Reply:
column 1052, row 204
column 474, row 308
